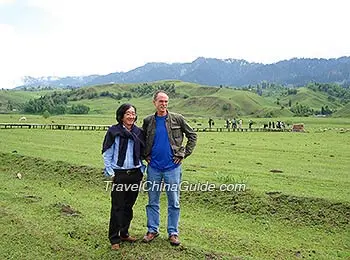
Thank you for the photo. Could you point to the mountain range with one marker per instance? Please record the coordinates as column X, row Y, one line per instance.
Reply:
column 216, row 72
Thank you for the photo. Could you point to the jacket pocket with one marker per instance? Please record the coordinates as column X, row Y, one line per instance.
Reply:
column 176, row 132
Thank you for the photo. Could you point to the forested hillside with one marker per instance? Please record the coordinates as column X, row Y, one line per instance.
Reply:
column 261, row 100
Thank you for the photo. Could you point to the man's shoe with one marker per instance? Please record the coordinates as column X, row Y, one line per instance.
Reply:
column 150, row 236
column 115, row 247
column 174, row 240
column 128, row 239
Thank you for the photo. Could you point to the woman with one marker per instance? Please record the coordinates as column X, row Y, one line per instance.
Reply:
column 122, row 149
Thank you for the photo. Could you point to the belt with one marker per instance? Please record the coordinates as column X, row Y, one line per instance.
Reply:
column 127, row 171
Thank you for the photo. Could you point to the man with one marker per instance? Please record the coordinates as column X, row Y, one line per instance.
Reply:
column 164, row 153
column 122, row 149
column 250, row 123
column 210, row 122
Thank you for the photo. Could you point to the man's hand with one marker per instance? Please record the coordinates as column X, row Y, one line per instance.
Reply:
column 178, row 160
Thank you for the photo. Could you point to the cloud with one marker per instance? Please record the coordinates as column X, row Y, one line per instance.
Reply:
column 103, row 36
column 4, row 2
column 9, row 61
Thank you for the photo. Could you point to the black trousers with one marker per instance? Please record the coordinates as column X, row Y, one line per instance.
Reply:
column 125, row 190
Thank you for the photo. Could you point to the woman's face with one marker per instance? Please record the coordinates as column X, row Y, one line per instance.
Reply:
column 129, row 118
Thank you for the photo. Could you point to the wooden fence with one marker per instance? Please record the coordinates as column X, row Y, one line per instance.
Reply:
column 84, row 127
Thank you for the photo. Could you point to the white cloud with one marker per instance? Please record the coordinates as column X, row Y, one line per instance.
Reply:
column 76, row 37
column 2, row 2
column 9, row 62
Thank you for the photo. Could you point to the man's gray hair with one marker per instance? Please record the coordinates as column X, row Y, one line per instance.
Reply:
column 155, row 95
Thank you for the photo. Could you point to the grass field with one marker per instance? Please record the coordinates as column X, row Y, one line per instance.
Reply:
column 60, row 209
column 312, row 124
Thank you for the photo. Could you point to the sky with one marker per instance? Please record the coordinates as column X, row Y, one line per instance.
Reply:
column 84, row 37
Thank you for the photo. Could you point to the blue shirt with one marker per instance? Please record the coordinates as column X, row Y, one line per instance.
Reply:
column 110, row 158
column 162, row 157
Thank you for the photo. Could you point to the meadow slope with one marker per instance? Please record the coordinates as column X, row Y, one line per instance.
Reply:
column 295, row 204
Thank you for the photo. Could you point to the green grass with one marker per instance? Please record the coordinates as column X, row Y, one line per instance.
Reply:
column 312, row 124
column 193, row 89
column 343, row 112
column 31, row 215
column 17, row 97
column 311, row 98
column 20, row 96
column 302, row 211
column 222, row 102
column 107, row 106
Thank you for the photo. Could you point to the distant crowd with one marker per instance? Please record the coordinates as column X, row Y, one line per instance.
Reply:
column 277, row 125
column 231, row 123
column 238, row 124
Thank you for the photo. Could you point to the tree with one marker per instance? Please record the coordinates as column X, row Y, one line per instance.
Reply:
column 9, row 106
column 326, row 111
column 79, row 109
column 302, row 110
column 226, row 107
column 46, row 114
column 259, row 90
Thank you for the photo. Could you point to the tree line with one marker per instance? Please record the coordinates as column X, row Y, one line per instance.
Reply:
column 333, row 90
column 56, row 103
column 147, row 89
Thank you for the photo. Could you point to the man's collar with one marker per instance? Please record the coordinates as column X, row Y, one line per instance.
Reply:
column 167, row 113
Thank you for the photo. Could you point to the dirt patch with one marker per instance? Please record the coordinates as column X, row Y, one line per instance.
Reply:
column 215, row 256
column 276, row 171
column 32, row 167
column 32, row 198
column 293, row 209
column 67, row 210
column 313, row 211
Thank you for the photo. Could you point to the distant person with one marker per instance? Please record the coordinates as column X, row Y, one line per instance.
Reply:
column 228, row 123
column 122, row 148
column 278, row 124
column 164, row 153
column 234, row 123
column 250, row 123
column 240, row 123
column 210, row 122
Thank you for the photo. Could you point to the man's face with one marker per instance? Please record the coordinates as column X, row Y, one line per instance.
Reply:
column 161, row 103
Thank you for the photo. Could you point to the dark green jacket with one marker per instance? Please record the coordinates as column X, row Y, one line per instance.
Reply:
column 177, row 127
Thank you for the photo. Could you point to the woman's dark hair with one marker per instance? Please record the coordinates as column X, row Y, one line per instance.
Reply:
column 119, row 114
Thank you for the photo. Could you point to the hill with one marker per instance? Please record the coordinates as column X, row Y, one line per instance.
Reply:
column 216, row 72
column 11, row 100
column 187, row 98
column 343, row 112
